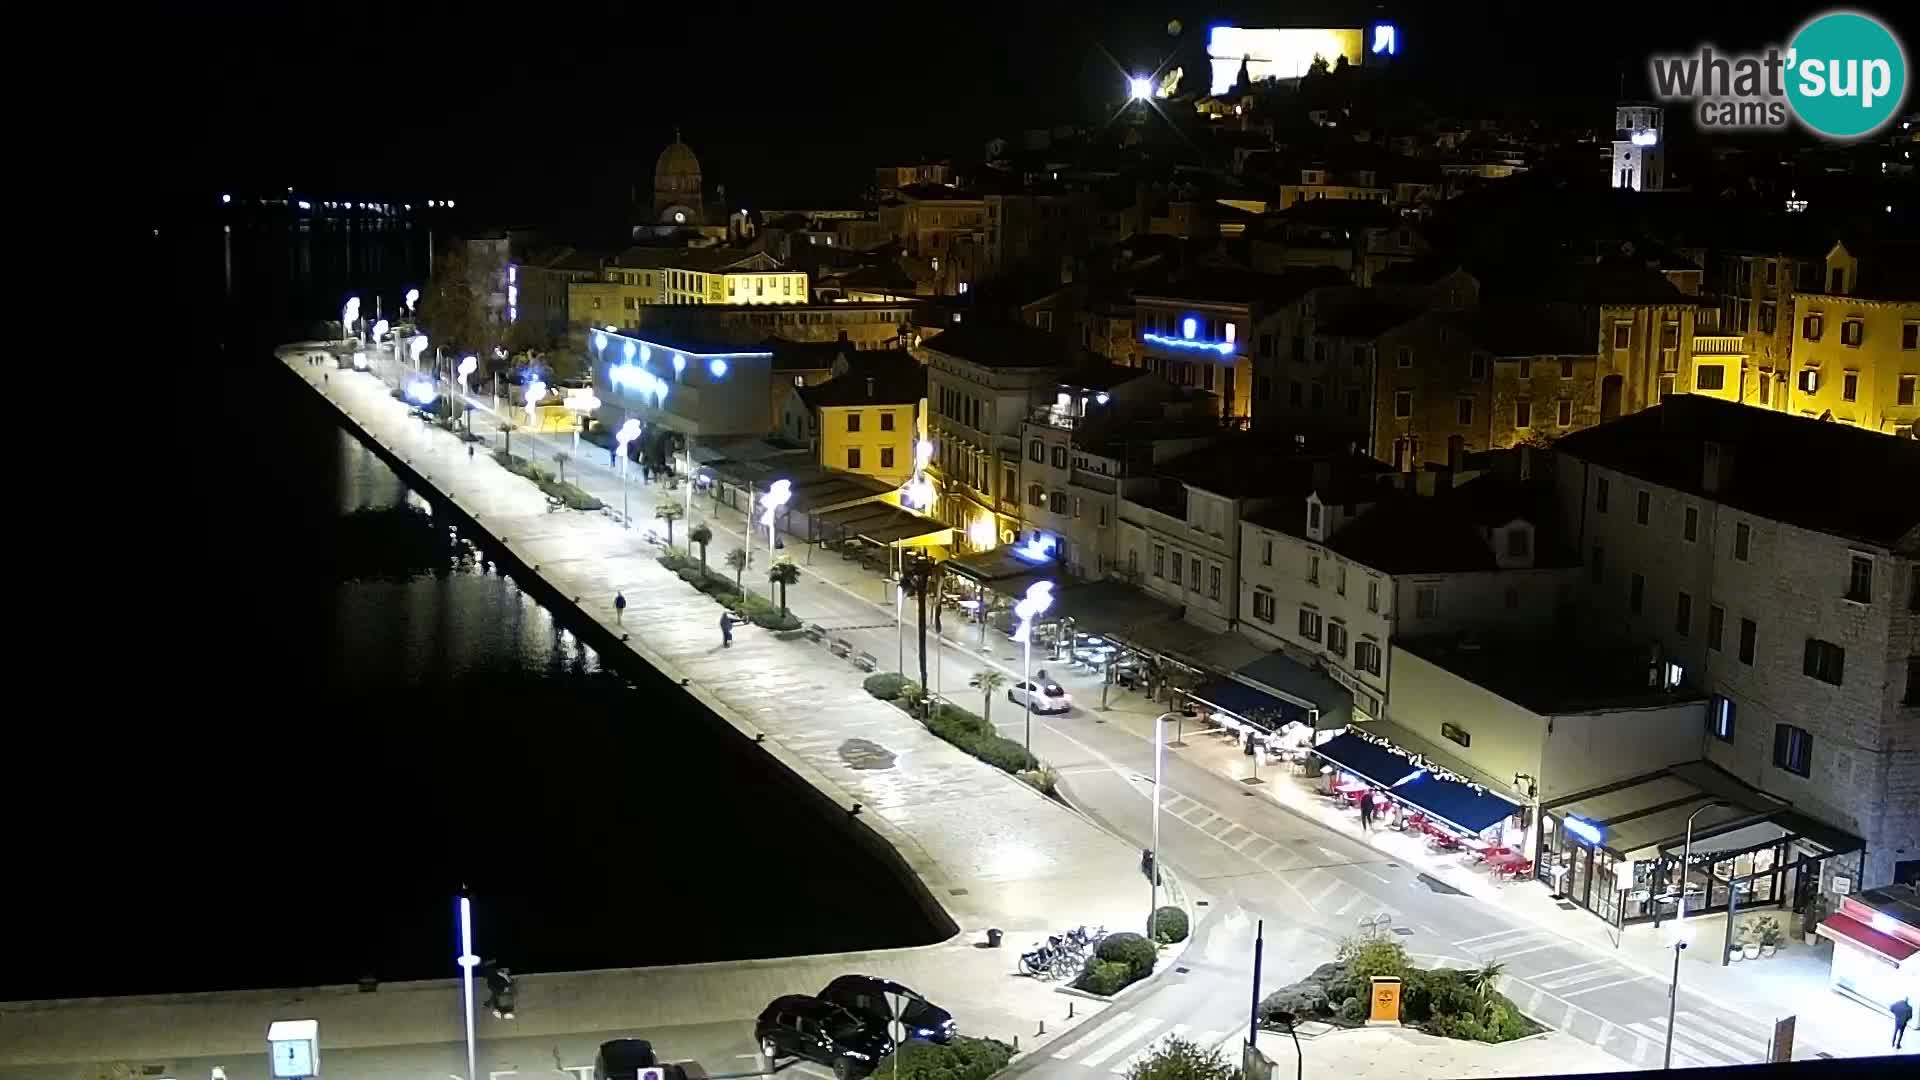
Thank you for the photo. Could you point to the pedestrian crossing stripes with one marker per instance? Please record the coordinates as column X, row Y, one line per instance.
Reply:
column 1136, row 1037
column 1699, row 1040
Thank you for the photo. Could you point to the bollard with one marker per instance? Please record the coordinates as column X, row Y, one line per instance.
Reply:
column 1069, row 1008
column 1042, row 1031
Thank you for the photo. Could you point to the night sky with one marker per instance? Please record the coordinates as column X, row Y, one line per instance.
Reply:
column 540, row 109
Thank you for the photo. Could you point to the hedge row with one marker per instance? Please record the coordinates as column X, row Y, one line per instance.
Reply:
column 572, row 497
column 745, row 603
column 1117, row 962
column 973, row 735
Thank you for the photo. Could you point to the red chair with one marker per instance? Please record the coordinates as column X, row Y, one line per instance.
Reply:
column 1443, row 841
column 1416, row 823
column 1517, row 870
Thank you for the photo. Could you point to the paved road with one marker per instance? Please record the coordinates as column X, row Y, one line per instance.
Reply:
column 1255, row 858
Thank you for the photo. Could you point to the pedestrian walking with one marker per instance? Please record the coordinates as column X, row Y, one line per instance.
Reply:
column 1902, row 1011
column 726, row 629
column 1366, row 811
column 619, row 606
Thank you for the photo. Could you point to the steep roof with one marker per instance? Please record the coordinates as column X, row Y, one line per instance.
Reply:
column 876, row 378
column 1819, row 475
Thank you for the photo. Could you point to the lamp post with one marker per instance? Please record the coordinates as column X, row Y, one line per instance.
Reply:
column 628, row 432
column 467, row 365
column 1679, row 921
column 349, row 314
column 1034, row 604
column 467, row 961
column 1159, row 757
column 536, row 390
column 412, row 297
column 776, row 497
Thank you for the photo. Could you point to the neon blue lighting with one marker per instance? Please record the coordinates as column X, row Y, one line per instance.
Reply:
column 1189, row 326
column 716, row 367
column 1385, row 40
column 1410, row 777
column 1585, row 830
column 632, row 377
column 646, row 348
column 679, row 363
column 628, row 352
column 1038, row 549
column 646, row 352
column 421, row 392
column 1224, row 348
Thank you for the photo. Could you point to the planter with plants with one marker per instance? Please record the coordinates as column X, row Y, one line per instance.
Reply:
column 1738, row 949
column 1769, row 935
column 1810, row 922
column 1749, row 939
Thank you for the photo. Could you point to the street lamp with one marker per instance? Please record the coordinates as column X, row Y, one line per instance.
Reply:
column 536, row 391
column 1034, row 604
column 417, row 345
column 1139, row 88
column 1153, row 877
column 628, row 432
column 1679, row 921
column 349, row 314
column 467, row 365
column 776, row 497
column 412, row 297
column 467, row 961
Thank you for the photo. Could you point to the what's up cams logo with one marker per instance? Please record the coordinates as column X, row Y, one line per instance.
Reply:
column 1843, row 76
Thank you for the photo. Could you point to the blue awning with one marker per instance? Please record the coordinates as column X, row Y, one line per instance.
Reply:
column 1365, row 760
column 1251, row 704
column 1456, row 803
column 1453, row 802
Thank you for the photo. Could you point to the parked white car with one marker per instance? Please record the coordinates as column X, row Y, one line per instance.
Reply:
column 1048, row 697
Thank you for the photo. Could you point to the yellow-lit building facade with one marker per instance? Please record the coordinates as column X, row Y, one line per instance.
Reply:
column 1856, row 352
column 617, row 297
column 868, row 418
column 747, row 287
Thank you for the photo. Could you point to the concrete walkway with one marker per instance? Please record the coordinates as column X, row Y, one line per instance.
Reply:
column 988, row 848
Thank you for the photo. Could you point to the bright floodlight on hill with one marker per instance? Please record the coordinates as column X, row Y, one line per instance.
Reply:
column 1139, row 88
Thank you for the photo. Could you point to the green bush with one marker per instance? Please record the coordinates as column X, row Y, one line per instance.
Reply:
column 1130, row 949
column 1041, row 779
column 1169, row 925
column 1352, row 1011
column 884, row 685
column 1104, row 977
column 965, row 1058
column 1178, row 1059
column 1367, row 958
column 570, row 496
column 968, row 732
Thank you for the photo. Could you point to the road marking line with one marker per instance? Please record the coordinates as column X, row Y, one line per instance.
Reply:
column 1524, row 931
column 1575, row 980
column 1242, row 845
column 1327, row 893
column 1133, row 1035
column 1356, row 898
column 1603, row 986
column 1503, row 955
column 1228, row 831
column 1093, row 1036
column 1699, row 1047
column 1564, row 970
column 1148, row 1050
column 1730, row 1027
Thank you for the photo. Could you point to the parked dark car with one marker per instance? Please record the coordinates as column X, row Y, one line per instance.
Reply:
column 622, row 1059
column 821, row 1032
column 867, row 996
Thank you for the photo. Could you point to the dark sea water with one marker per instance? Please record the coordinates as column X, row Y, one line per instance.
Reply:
column 324, row 711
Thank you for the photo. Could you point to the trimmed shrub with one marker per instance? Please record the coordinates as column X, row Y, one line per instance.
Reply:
column 1365, row 959
column 1178, row 1059
column 1130, row 949
column 968, row 732
column 1352, row 1011
column 1041, row 779
column 885, row 685
column 1104, row 977
column 965, row 1058
column 1169, row 925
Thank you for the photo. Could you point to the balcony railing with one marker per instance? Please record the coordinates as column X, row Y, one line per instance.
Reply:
column 1719, row 344
column 1052, row 417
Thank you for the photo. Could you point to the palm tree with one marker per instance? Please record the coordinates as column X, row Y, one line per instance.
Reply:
column 784, row 573
column 988, row 682
column 919, row 575
column 737, row 558
column 560, row 459
column 670, row 513
column 506, row 429
column 1483, row 979
column 702, row 535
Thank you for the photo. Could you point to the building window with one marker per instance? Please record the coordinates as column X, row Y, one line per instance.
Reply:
column 1313, row 516
column 1824, row 661
column 1213, row 582
column 1720, row 718
column 1860, row 579
column 1266, row 553
column 1179, row 565
column 1913, row 682
column 1366, row 657
column 1792, row 749
column 1523, row 413
column 1036, row 495
column 1313, row 569
column 1373, row 595
column 1566, row 367
column 1010, row 484
column 1851, row 331
column 1310, row 624
column 1193, row 572
column 1850, row 386
column 1622, row 335
column 1564, row 413
column 1600, row 486
column 1340, row 580
column 1519, row 543
column 1402, row 404
column 1642, row 507
column 1263, row 605
column 1464, row 411
column 1809, row 380
column 1690, row 524
column 1909, row 390
column 1159, row 561
column 1599, row 564
column 1812, row 326
column 1037, row 452
column 1683, row 615
column 886, row 421
column 1710, row 377
column 853, row 421
column 1057, row 502
column 1526, row 367
column 1910, row 336
column 1426, row 601
column 853, row 457
column 1742, row 541
column 1716, row 625
column 1477, row 366
column 1337, row 639
column 1749, row 635
column 1636, row 592
column 1403, row 357
column 886, row 457
column 1059, row 457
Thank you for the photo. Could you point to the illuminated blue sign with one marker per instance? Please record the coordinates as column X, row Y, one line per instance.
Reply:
column 1385, row 40
column 1585, row 830
column 1038, row 549
column 639, row 380
column 1224, row 348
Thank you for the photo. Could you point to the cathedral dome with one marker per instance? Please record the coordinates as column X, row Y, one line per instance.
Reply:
column 677, row 169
